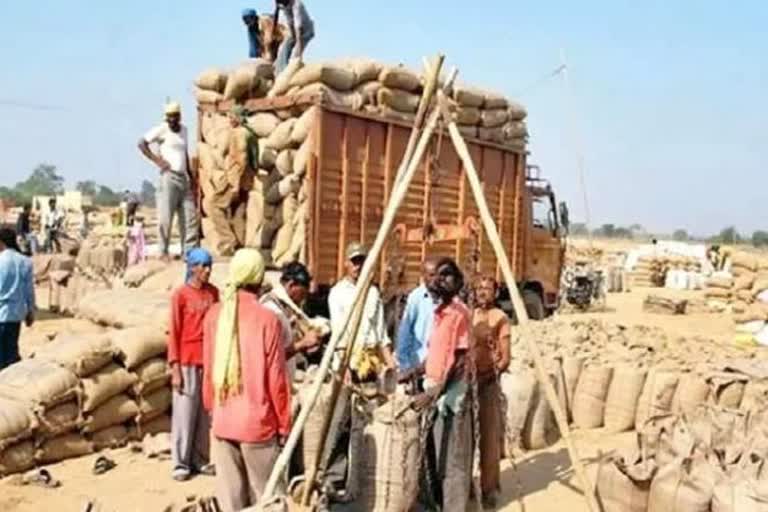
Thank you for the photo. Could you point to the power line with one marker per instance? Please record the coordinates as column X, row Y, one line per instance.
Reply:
column 549, row 76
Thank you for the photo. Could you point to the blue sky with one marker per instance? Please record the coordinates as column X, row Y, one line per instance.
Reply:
column 669, row 97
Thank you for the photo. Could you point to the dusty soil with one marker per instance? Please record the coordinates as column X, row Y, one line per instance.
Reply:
column 540, row 481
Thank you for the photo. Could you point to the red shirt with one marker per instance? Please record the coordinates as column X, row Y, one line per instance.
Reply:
column 450, row 334
column 262, row 409
column 188, row 308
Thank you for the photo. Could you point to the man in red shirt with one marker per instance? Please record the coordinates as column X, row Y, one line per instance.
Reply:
column 245, row 385
column 446, row 383
column 190, row 425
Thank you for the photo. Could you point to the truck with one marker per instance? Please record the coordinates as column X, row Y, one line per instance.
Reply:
column 350, row 174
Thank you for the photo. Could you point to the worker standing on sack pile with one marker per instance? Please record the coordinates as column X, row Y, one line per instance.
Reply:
column 246, row 385
column 227, row 207
column 447, row 370
column 491, row 351
column 301, row 30
column 416, row 324
column 190, row 425
column 175, row 191
column 294, row 286
column 53, row 222
column 27, row 238
column 251, row 21
column 17, row 296
column 132, row 203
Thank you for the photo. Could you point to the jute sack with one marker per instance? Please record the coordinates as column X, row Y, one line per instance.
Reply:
column 571, row 369
column 467, row 116
column 399, row 77
column 263, row 123
column 80, row 354
column 494, row 118
column 517, row 112
column 761, row 284
column 314, row 425
column 492, row 134
column 745, row 261
column 301, row 158
column 401, row 101
column 624, row 482
column 254, row 219
column 267, row 157
column 746, row 297
column 721, row 430
column 138, row 345
column 468, row 131
column 298, row 237
column 303, row 126
column 203, row 96
column 740, row 494
column 111, row 437
column 744, row 282
column 685, row 485
column 280, row 138
column 518, row 389
column 212, row 79
column 515, row 130
column 717, row 293
column 351, row 100
column 158, row 425
column 38, row 382
column 720, row 282
column 284, row 162
column 387, row 476
column 691, row 392
column 283, row 80
column 64, row 447
column 365, row 69
column 369, row 92
column 590, row 395
column 331, row 75
column 125, row 308
column 152, row 375
column 282, row 242
column 727, row 389
column 540, row 430
column 494, row 101
column 60, row 419
column 674, row 439
column 136, row 275
column 105, row 384
column 656, row 398
column 155, row 404
column 247, row 77
column 16, row 422
column 755, row 396
column 115, row 411
column 468, row 96
column 623, row 396
column 17, row 458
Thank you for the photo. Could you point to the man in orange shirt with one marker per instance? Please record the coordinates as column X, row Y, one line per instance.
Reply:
column 491, row 352
column 446, row 371
column 190, row 425
column 245, row 385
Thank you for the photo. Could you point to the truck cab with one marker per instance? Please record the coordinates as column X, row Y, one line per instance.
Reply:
column 546, row 229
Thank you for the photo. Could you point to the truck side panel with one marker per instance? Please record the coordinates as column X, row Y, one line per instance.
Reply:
column 354, row 163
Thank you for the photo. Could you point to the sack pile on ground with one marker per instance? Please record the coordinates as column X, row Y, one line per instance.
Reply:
column 710, row 459
column 278, row 201
column 125, row 308
column 82, row 393
column 102, row 256
column 616, row 377
column 672, row 271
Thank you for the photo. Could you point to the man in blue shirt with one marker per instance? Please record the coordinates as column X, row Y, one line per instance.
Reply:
column 416, row 325
column 251, row 20
column 17, row 296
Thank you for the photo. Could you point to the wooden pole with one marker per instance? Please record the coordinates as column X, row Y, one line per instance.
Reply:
column 366, row 275
column 517, row 301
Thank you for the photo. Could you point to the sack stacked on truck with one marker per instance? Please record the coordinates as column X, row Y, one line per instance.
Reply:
column 490, row 117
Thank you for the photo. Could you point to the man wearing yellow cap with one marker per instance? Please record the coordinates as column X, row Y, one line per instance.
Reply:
column 245, row 385
column 175, row 189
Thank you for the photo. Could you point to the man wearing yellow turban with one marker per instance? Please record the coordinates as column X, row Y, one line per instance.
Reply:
column 246, row 385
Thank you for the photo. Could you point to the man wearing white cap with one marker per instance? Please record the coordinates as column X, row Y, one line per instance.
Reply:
column 174, row 192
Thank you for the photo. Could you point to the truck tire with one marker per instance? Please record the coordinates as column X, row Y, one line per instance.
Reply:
column 534, row 305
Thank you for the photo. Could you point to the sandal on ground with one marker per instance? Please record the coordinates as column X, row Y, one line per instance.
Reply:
column 41, row 478
column 102, row 465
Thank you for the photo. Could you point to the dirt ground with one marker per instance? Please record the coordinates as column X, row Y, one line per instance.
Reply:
column 539, row 481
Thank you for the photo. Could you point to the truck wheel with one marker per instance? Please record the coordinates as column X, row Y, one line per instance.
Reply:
column 534, row 305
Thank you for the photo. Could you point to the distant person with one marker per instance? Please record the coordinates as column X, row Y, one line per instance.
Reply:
column 132, row 203
column 301, row 30
column 190, row 426
column 175, row 191
column 27, row 238
column 491, row 351
column 416, row 324
column 137, row 252
column 17, row 296
column 53, row 222
column 251, row 21
column 85, row 224
column 246, row 385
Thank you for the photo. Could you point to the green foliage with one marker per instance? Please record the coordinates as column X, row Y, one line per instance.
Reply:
column 728, row 235
column 88, row 188
column 147, row 194
column 44, row 181
column 760, row 238
column 579, row 229
column 681, row 235
column 105, row 196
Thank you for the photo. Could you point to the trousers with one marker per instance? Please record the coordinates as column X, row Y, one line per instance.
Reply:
column 9, row 343
column 489, row 399
column 242, row 471
column 174, row 199
column 190, row 424
column 285, row 52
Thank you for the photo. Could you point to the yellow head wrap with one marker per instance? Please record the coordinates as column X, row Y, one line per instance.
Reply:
column 246, row 268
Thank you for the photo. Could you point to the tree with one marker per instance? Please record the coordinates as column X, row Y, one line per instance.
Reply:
column 579, row 229
column 760, row 238
column 606, row 231
column 148, row 192
column 681, row 235
column 728, row 235
column 623, row 233
column 88, row 188
column 105, row 196
column 44, row 181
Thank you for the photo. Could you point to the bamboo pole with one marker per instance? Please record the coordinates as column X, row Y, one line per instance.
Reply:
column 408, row 168
column 517, row 301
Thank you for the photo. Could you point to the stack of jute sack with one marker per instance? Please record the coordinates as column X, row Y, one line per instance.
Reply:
column 102, row 256
column 709, row 459
column 648, row 273
column 126, row 307
column 617, row 378
column 82, row 393
column 277, row 203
